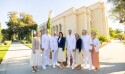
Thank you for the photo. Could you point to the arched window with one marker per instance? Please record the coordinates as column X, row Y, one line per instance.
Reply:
column 53, row 28
column 56, row 28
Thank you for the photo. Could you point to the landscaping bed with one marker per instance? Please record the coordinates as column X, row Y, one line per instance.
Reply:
column 29, row 45
column 3, row 51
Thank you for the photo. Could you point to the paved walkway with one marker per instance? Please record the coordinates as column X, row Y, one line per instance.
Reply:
column 112, row 58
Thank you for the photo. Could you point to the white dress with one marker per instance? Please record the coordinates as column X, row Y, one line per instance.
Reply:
column 36, row 59
column 61, row 55
column 79, row 57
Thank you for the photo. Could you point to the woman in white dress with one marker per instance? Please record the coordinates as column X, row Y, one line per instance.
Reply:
column 36, row 60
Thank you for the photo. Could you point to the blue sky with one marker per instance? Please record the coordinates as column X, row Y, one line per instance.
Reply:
column 39, row 8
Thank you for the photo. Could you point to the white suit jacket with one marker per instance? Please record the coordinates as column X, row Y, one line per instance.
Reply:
column 46, row 41
column 97, row 44
column 54, row 43
column 70, row 42
column 86, row 41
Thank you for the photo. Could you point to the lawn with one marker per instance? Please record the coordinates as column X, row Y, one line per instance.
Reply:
column 29, row 45
column 3, row 51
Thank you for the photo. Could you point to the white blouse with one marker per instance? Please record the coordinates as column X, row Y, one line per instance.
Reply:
column 97, row 44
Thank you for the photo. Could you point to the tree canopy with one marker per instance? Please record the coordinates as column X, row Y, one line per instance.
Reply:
column 118, row 10
column 20, row 25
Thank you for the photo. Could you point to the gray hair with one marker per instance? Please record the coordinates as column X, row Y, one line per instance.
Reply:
column 84, row 30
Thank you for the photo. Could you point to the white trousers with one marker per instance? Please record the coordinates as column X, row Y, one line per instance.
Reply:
column 71, row 53
column 45, row 57
column 54, row 57
column 87, row 59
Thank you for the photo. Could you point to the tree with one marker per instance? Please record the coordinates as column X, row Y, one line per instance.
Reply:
column 118, row 31
column 112, row 33
column 5, row 34
column 48, row 24
column 118, row 10
column 20, row 26
column 49, row 21
column 0, row 33
column 102, row 38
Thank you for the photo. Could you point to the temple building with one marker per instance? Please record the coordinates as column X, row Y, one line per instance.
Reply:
column 90, row 18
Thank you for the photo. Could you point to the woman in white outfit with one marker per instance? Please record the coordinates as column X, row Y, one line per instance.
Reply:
column 78, row 52
column 61, row 52
column 36, row 60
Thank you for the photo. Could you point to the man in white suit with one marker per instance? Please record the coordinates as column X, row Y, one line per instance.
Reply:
column 70, row 45
column 54, row 48
column 86, row 41
column 46, row 49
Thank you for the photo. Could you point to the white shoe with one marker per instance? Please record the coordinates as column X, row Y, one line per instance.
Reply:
column 37, row 70
column 67, row 66
column 54, row 66
column 44, row 67
column 73, row 67
column 33, row 71
column 57, row 64
column 90, row 69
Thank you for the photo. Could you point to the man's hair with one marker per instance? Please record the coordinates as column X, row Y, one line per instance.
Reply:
column 70, row 30
column 84, row 30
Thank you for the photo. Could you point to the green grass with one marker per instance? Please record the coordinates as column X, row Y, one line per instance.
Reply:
column 29, row 45
column 3, row 51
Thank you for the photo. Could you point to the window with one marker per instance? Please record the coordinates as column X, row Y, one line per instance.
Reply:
column 60, row 27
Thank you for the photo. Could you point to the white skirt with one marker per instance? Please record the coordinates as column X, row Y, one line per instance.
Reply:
column 36, row 59
column 61, row 55
column 78, row 57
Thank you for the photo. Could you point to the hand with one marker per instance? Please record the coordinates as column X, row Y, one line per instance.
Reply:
column 73, row 50
column 52, row 50
column 90, row 50
column 42, row 49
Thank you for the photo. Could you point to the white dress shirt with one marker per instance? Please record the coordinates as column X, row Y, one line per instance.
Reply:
column 46, row 41
column 70, row 42
column 54, row 43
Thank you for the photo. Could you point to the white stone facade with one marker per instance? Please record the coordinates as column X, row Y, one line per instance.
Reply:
column 91, row 17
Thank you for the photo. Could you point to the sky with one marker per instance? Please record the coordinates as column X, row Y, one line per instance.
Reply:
column 39, row 9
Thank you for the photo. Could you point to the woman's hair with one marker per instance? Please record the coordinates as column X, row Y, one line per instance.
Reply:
column 78, row 35
column 93, row 33
column 60, row 33
column 38, row 33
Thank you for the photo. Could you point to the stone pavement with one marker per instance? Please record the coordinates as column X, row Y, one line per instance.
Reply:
column 112, row 58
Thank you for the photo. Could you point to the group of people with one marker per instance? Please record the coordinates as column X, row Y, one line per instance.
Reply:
column 73, row 49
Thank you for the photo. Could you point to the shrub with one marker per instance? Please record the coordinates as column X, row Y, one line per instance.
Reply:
column 24, row 41
column 102, row 38
column 94, row 30
column 111, row 38
column 7, row 42
column 120, row 36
